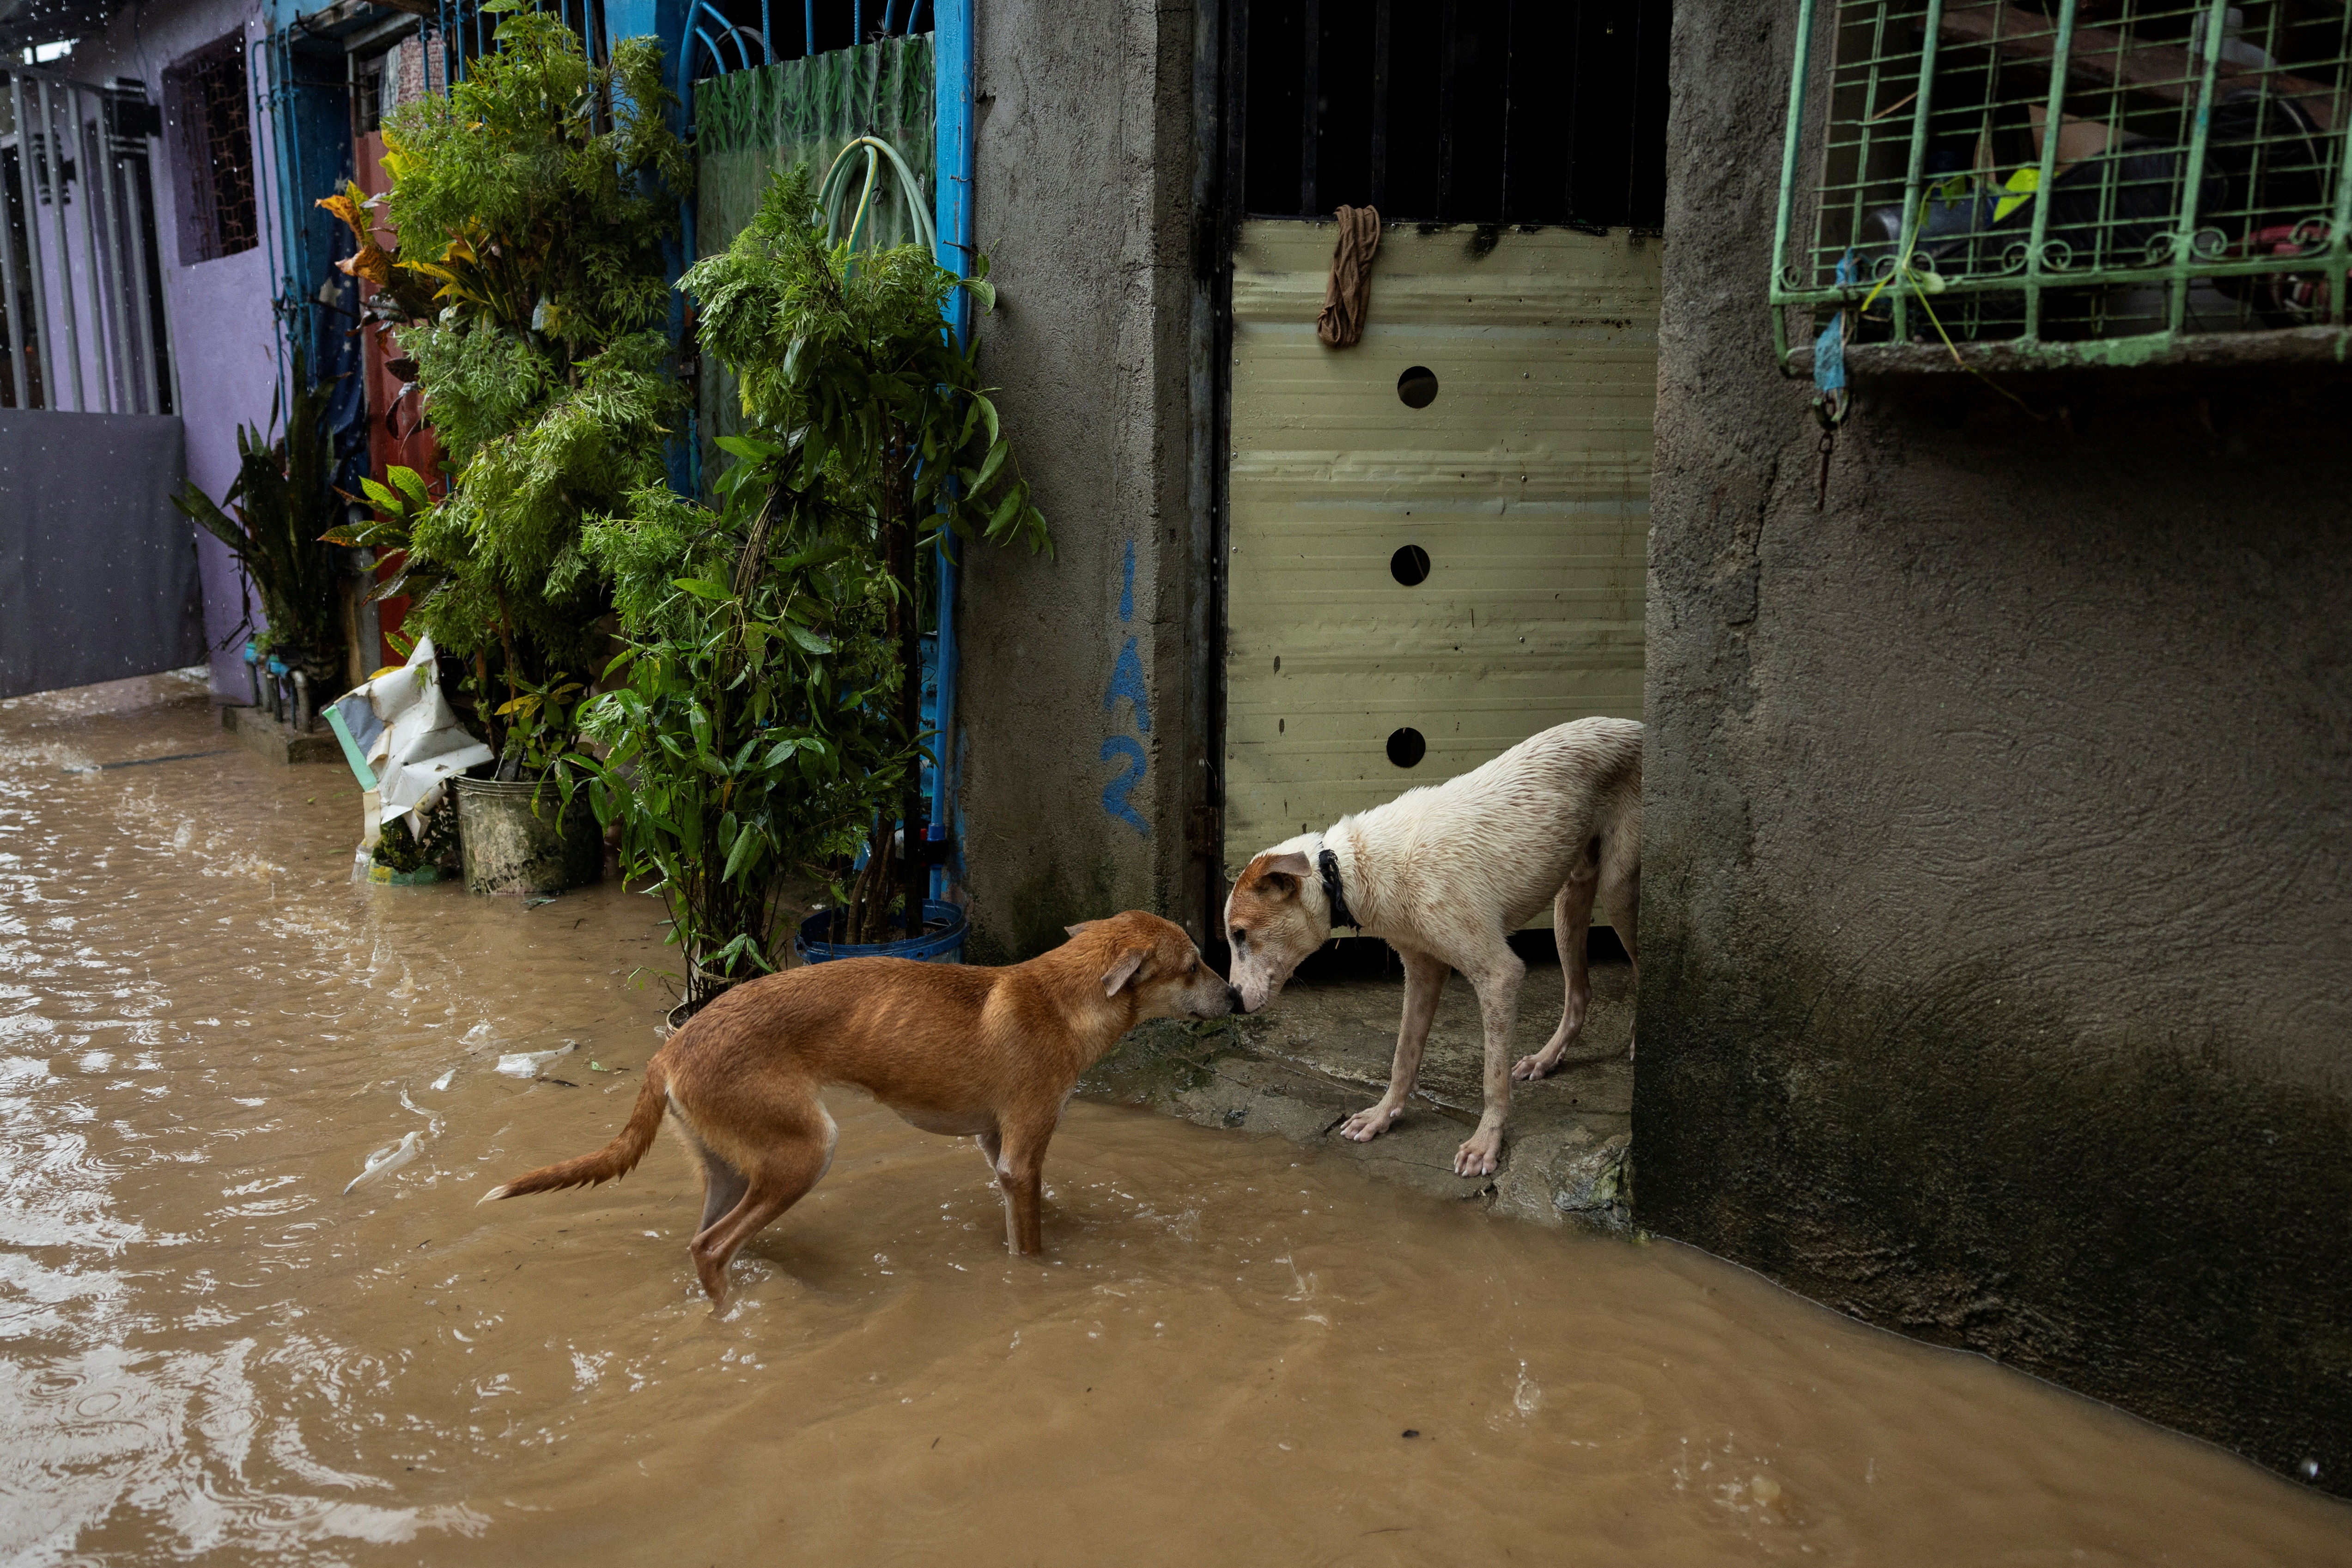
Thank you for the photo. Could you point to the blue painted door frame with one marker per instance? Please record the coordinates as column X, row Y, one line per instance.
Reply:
column 951, row 98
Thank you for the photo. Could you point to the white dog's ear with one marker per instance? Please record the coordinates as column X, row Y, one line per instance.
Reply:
column 1123, row 969
column 1294, row 863
column 1073, row 931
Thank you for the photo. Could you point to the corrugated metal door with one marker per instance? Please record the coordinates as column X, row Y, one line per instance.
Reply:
column 1414, row 589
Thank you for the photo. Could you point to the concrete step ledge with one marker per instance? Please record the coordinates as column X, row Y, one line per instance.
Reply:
column 266, row 737
column 1323, row 1053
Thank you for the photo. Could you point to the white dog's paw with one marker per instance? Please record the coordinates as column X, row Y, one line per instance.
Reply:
column 1366, row 1125
column 1480, row 1156
column 1532, row 1067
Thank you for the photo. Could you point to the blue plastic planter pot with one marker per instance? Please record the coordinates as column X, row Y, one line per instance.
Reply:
column 941, row 941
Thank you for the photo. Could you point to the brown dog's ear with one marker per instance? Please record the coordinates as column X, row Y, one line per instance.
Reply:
column 1073, row 931
column 1123, row 968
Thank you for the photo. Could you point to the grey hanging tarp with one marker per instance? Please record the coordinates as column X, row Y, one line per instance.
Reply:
column 98, row 572
column 752, row 123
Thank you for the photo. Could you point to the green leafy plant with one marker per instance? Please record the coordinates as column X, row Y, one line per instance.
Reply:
column 529, row 294
column 871, row 406
column 742, row 743
column 283, row 500
column 540, row 724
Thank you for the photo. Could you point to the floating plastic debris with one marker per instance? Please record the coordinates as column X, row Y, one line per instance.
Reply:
column 390, row 1157
column 525, row 1064
column 444, row 1080
column 404, row 739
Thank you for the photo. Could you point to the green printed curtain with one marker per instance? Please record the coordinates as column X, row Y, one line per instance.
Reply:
column 752, row 123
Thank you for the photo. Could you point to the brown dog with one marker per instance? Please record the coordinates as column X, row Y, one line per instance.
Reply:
column 991, row 1054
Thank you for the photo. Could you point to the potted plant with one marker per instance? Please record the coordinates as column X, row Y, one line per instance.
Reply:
column 871, row 439
column 528, row 289
column 741, row 744
column 272, row 519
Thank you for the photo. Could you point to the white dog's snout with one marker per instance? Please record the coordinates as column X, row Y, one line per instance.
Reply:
column 1254, row 992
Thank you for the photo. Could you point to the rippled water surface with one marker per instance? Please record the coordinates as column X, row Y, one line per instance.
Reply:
column 1231, row 1352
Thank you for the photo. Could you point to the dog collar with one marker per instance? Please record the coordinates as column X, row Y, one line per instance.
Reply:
column 1340, row 914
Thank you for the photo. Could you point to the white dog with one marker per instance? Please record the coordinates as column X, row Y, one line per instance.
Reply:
column 1445, row 874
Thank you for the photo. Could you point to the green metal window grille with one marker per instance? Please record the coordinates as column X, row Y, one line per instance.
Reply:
column 2195, row 200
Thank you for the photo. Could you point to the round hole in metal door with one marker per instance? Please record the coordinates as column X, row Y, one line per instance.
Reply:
column 1410, row 565
column 1417, row 387
column 1406, row 747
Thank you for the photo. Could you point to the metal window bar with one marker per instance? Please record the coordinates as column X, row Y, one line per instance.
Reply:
column 2077, row 185
column 1383, row 20
column 77, row 298
column 1455, row 112
column 1447, row 71
column 130, row 174
column 720, row 36
column 269, row 76
column 99, row 246
column 26, row 197
column 221, row 152
column 459, row 33
column 53, row 197
column 725, row 36
column 17, row 386
column 1310, row 105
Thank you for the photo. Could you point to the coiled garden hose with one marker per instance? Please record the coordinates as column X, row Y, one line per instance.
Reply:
column 834, row 188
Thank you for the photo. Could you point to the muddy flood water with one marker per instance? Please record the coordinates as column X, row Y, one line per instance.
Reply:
column 1231, row 1353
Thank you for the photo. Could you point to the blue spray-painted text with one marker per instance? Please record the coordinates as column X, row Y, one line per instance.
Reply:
column 1127, row 681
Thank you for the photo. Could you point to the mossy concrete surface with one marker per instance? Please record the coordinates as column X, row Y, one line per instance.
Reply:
column 1323, row 1052
column 1996, row 855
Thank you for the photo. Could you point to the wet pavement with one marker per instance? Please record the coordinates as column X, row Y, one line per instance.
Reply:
column 1236, row 1347
column 1323, row 1052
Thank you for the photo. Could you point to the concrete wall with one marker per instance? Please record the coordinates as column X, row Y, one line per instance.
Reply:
column 223, row 339
column 1082, row 706
column 1999, row 883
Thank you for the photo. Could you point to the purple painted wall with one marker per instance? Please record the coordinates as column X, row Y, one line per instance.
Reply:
column 224, row 341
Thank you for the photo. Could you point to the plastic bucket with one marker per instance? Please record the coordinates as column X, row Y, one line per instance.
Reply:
column 941, row 941
column 513, row 842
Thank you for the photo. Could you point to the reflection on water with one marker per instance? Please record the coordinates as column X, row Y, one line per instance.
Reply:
column 206, row 1030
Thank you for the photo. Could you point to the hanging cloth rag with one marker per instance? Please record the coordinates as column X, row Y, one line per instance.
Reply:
column 1830, row 396
column 1347, row 294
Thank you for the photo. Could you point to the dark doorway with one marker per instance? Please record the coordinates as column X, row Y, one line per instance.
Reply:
column 1480, row 112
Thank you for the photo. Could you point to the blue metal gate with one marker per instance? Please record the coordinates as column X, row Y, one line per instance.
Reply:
column 714, row 37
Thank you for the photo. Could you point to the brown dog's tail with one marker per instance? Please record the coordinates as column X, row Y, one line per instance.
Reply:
column 617, row 1158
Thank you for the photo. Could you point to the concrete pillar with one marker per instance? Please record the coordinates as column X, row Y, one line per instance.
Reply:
column 1084, row 696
